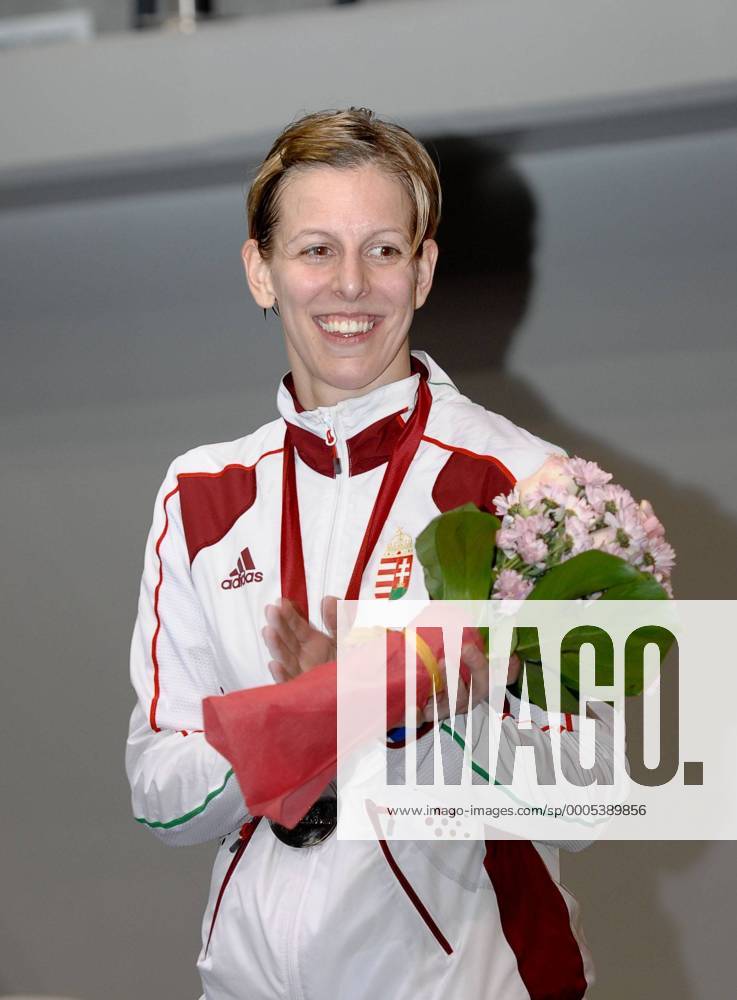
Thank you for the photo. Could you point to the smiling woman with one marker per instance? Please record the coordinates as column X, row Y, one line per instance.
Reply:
column 346, row 280
column 251, row 542
column 341, row 224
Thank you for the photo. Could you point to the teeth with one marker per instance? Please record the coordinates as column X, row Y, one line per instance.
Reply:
column 346, row 327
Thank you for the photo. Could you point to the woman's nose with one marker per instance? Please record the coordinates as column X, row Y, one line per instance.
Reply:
column 351, row 277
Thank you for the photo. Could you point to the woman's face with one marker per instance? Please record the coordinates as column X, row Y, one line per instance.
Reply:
column 344, row 279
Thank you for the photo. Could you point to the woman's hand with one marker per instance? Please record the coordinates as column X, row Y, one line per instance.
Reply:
column 297, row 646
column 477, row 663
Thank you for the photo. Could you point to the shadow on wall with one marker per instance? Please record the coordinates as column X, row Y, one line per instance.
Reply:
column 485, row 270
column 483, row 287
column 482, row 291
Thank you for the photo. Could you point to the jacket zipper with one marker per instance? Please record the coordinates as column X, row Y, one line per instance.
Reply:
column 245, row 834
column 331, row 440
column 292, row 931
column 340, row 471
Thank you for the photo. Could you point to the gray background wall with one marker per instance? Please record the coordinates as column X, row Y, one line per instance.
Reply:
column 128, row 336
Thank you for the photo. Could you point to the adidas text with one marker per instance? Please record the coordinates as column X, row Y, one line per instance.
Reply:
column 234, row 582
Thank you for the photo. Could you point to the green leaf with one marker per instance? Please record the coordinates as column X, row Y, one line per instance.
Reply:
column 535, row 684
column 569, row 697
column 582, row 575
column 456, row 550
column 525, row 642
column 570, row 700
column 633, row 654
column 644, row 588
column 570, row 655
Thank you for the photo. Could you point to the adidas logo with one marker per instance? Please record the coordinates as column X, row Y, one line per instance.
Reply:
column 244, row 572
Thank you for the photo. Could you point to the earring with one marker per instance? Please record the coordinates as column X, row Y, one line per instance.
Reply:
column 274, row 308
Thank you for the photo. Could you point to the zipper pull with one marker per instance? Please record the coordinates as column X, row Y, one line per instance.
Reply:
column 331, row 440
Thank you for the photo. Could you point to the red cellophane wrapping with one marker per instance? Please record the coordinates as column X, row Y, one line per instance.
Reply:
column 281, row 738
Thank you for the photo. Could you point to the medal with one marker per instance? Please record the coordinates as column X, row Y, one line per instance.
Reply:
column 314, row 827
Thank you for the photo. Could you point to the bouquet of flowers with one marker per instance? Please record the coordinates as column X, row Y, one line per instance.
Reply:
column 565, row 533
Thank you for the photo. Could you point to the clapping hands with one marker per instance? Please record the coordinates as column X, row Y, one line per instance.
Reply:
column 296, row 646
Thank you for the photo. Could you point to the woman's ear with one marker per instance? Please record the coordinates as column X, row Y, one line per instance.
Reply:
column 425, row 268
column 258, row 275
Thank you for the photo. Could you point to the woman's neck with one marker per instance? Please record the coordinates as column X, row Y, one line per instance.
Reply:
column 333, row 387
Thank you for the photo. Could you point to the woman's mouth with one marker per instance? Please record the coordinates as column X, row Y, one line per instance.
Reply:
column 342, row 328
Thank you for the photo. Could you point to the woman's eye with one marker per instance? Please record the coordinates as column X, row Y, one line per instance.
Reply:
column 384, row 252
column 316, row 251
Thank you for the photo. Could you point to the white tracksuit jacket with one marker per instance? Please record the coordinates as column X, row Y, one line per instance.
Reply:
column 343, row 920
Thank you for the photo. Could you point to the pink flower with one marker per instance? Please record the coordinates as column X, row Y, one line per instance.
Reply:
column 502, row 503
column 511, row 586
column 662, row 558
column 579, row 535
column 551, row 492
column 605, row 539
column 531, row 547
column 609, row 498
column 630, row 534
column 507, row 537
column 551, row 472
column 538, row 524
column 652, row 526
column 523, row 533
column 577, row 509
column 586, row 473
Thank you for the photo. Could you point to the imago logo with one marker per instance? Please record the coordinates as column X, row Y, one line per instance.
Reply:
column 244, row 572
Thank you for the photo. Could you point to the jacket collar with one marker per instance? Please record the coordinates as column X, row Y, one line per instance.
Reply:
column 370, row 424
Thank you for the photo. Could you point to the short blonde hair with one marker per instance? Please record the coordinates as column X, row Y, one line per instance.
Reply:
column 345, row 139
